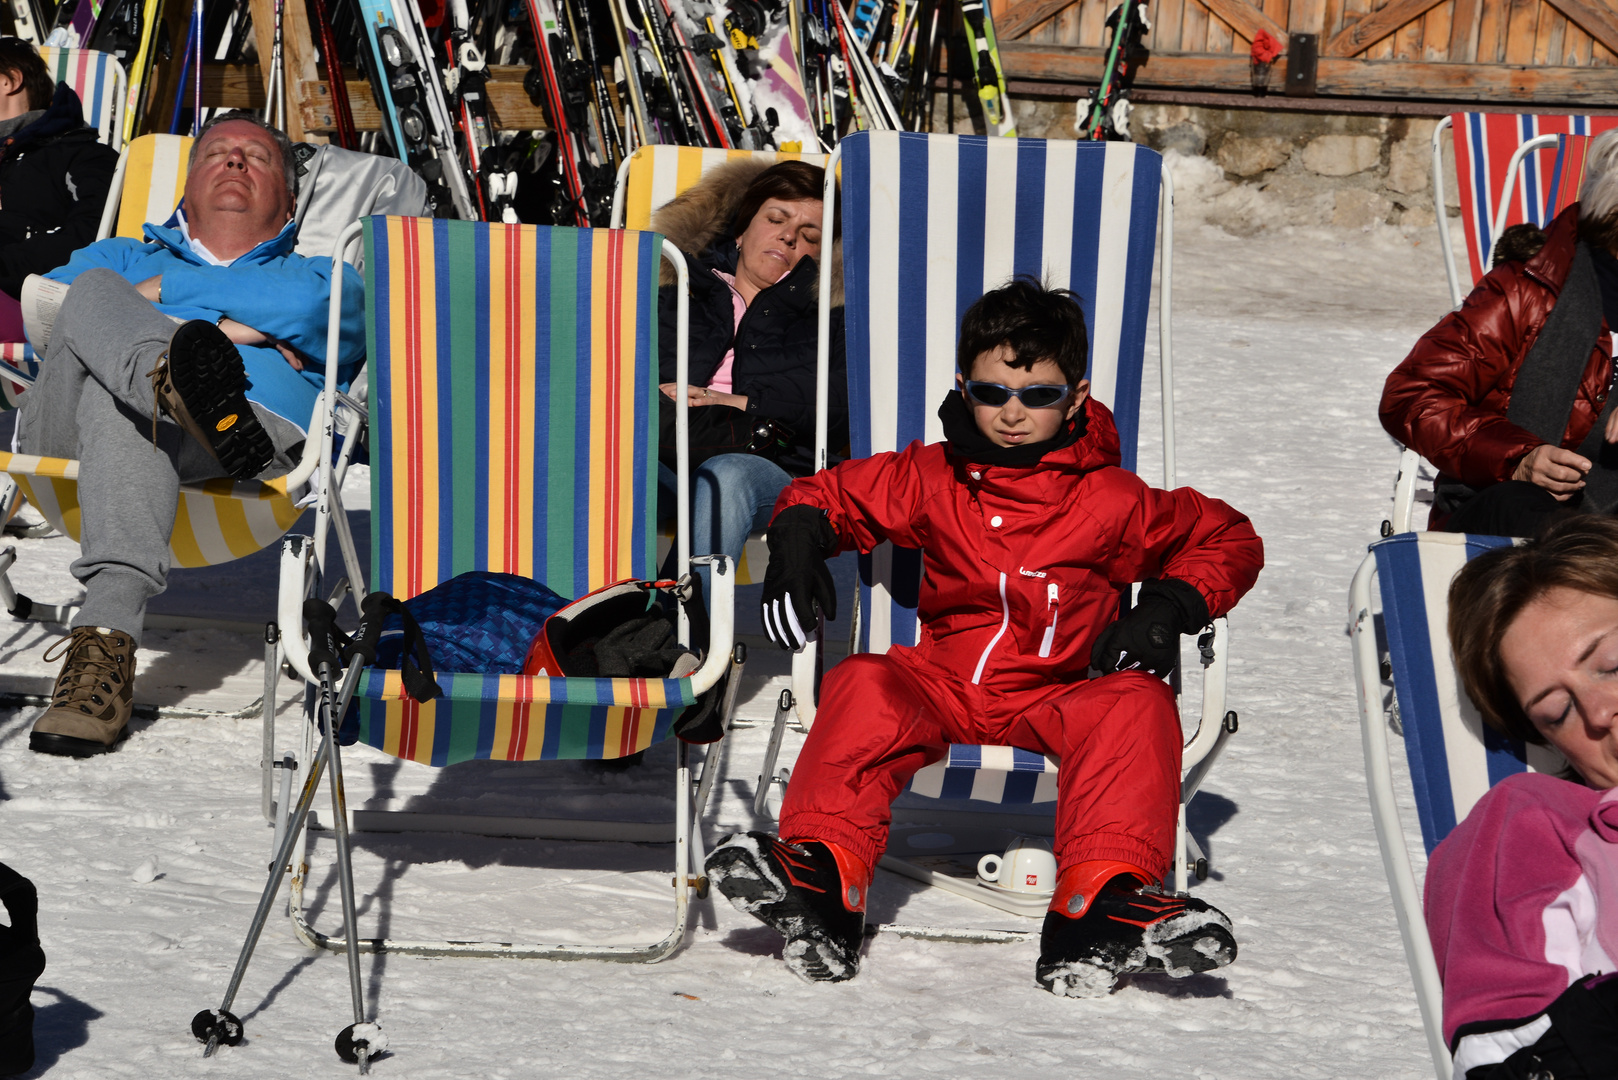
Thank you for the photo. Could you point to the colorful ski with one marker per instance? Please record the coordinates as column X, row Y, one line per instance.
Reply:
column 987, row 74
column 1105, row 114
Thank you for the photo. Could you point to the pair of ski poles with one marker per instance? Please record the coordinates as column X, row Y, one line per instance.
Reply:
column 330, row 652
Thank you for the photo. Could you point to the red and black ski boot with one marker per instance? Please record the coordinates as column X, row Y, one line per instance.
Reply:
column 1106, row 920
column 810, row 891
column 21, row 963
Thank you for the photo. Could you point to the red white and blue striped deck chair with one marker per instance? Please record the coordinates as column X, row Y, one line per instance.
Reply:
column 1543, row 174
column 930, row 223
column 1506, row 167
column 1453, row 758
column 514, row 415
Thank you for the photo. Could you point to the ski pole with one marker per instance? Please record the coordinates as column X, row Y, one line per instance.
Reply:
column 219, row 1026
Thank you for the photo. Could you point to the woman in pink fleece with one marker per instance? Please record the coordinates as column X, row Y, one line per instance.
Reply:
column 1522, row 898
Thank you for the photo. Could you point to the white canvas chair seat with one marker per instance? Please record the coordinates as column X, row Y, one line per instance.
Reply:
column 218, row 520
column 1453, row 758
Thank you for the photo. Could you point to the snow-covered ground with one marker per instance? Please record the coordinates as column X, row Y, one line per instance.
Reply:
column 1282, row 340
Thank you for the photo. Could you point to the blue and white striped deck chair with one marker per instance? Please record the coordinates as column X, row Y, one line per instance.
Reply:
column 1453, row 757
column 931, row 222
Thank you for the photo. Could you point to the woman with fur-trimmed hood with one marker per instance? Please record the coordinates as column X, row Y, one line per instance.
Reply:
column 752, row 235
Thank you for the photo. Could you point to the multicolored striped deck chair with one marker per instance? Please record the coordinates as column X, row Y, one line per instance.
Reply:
column 219, row 520
column 1453, row 758
column 650, row 178
column 931, row 222
column 1507, row 168
column 98, row 78
column 514, row 418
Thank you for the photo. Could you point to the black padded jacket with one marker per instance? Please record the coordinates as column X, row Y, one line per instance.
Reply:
column 775, row 347
column 54, row 177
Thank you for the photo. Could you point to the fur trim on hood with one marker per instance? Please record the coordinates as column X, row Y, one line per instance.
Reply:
column 701, row 216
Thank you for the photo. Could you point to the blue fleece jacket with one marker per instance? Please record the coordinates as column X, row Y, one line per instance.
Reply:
column 270, row 289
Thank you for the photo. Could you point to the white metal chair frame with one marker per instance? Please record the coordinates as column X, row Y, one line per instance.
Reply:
column 1390, row 835
column 304, row 569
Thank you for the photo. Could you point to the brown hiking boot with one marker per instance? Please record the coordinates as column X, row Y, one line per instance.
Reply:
column 201, row 384
column 95, row 693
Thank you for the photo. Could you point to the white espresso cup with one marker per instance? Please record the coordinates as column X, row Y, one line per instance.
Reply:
column 1027, row 866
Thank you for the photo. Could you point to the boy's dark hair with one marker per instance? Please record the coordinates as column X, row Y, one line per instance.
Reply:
column 1036, row 322
column 20, row 59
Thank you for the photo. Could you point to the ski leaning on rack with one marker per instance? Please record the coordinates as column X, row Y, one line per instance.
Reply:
column 562, row 91
column 414, row 117
column 29, row 21
column 1105, row 114
column 987, row 74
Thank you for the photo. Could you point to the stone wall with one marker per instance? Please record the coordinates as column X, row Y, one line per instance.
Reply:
column 1251, row 169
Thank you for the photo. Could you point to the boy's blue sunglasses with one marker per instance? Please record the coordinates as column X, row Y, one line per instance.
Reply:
column 994, row 395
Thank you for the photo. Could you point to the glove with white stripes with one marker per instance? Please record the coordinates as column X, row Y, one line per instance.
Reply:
column 1147, row 638
column 797, row 581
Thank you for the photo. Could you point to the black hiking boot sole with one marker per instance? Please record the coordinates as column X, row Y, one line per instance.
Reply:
column 812, row 951
column 202, row 384
column 47, row 742
column 1191, row 952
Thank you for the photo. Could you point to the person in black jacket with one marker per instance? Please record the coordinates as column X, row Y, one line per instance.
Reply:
column 751, row 235
column 54, row 175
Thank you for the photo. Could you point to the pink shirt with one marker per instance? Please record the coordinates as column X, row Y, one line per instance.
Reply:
column 721, row 380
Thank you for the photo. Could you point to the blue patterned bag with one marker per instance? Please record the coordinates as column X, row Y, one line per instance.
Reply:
column 477, row 622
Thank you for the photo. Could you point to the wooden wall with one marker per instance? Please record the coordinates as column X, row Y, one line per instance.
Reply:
column 1485, row 50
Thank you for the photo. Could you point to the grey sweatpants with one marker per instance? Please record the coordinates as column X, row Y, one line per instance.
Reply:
column 93, row 402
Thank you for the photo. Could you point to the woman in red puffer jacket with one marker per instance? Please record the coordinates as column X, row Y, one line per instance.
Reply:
column 1450, row 397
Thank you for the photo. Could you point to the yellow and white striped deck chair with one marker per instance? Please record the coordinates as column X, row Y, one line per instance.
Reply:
column 650, row 179
column 218, row 520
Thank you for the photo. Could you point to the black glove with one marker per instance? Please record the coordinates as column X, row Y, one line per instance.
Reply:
column 1148, row 637
column 801, row 539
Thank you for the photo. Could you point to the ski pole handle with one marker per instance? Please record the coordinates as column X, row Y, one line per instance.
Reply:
column 325, row 645
column 374, row 610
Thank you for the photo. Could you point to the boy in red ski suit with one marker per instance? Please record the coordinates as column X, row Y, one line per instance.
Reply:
column 1030, row 536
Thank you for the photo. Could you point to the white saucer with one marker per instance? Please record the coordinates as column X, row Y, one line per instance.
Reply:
column 1032, row 894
